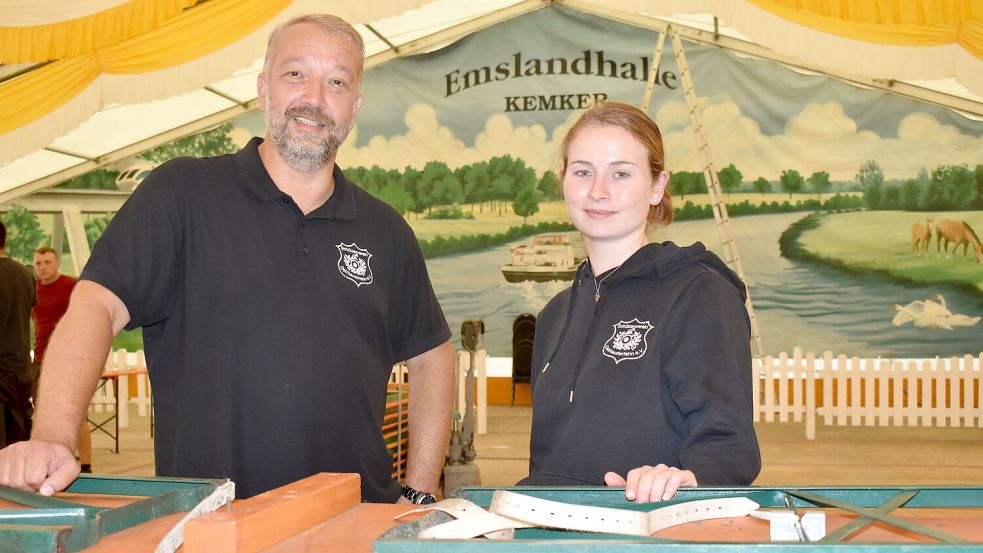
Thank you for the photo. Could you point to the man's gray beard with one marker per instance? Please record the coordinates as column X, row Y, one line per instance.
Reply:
column 306, row 157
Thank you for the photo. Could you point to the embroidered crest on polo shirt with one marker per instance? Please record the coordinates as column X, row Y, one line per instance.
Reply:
column 628, row 341
column 353, row 263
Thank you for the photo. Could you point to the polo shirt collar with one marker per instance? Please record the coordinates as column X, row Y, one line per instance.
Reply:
column 341, row 204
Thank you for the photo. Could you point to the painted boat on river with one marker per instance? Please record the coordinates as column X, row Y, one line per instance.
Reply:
column 549, row 257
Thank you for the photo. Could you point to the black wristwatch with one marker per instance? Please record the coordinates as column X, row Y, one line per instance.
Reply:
column 417, row 497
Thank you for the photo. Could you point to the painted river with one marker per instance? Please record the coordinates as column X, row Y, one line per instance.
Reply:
column 797, row 304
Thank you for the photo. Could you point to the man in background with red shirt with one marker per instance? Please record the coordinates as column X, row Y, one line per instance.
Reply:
column 54, row 290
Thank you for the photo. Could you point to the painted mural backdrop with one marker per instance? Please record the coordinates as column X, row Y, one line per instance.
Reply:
column 856, row 212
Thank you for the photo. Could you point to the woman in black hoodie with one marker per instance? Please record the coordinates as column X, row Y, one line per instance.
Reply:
column 642, row 369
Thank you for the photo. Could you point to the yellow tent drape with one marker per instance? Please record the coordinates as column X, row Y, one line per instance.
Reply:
column 53, row 41
column 196, row 32
column 890, row 22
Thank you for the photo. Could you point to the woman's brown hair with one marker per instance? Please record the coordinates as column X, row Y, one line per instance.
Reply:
column 644, row 130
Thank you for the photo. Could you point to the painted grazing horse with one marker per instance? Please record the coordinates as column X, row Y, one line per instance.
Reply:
column 961, row 234
column 921, row 236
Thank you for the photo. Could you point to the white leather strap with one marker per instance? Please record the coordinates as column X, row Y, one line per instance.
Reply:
column 704, row 509
column 455, row 507
column 510, row 510
column 554, row 514
column 486, row 524
column 471, row 521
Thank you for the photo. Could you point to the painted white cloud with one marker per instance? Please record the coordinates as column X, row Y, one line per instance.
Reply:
column 426, row 140
column 672, row 116
column 819, row 138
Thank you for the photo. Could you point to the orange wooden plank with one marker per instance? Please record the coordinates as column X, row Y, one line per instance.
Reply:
column 266, row 519
column 352, row 531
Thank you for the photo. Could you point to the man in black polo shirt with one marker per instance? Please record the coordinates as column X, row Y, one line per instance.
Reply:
column 274, row 296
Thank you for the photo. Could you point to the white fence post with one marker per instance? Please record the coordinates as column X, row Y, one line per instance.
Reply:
column 798, row 382
column 783, row 402
column 883, row 396
column 769, row 385
column 979, row 390
column 869, row 366
column 810, row 393
column 925, row 391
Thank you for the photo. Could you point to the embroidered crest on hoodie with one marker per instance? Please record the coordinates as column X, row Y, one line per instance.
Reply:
column 628, row 341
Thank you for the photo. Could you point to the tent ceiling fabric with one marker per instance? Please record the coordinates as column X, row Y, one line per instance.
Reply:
column 56, row 29
column 67, row 92
column 29, row 13
column 909, row 40
column 869, row 38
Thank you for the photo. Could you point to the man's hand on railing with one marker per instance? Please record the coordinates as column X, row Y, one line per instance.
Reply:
column 38, row 466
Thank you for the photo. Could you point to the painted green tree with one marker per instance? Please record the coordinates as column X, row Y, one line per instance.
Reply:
column 819, row 183
column 24, row 234
column 686, row 182
column 550, row 186
column 526, row 203
column 427, row 194
column 871, row 179
column 791, row 181
column 978, row 177
column 447, row 190
column 949, row 187
column 729, row 178
column 407, row 181
column 475, row 182
column 214, row 142
column 99, row 179
column 761, row 186
column 397, row 196
column 95, row 226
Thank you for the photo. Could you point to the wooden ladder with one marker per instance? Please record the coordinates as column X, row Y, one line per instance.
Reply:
column 727, row 241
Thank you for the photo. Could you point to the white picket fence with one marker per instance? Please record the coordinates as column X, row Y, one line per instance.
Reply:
column 104, row 399
column 851, row 391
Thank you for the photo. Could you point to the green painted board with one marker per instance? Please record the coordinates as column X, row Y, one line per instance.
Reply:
column 860, row 499
column 54, row 524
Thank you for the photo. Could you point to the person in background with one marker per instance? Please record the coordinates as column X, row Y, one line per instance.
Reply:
column 17, row 297
column 274, row 295
column 53, row 290
column 642, row 369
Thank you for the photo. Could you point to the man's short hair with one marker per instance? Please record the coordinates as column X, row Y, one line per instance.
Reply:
column 328, row 23
column 3, row 235
column 45, row 249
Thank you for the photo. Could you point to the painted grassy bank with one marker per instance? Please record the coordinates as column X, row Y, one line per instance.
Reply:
column 880, row 242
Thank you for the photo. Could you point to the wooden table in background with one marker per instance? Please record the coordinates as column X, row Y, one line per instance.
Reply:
column 114, row 376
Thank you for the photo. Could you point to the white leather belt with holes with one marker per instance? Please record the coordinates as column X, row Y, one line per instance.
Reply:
column 510, row 510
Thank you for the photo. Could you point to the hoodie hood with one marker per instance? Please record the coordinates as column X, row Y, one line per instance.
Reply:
column 661, row 260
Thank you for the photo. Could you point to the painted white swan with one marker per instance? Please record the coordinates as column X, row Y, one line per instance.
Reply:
column 932, row 314
column 921, row 312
